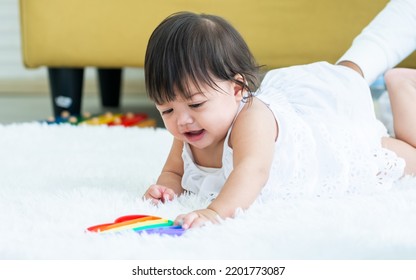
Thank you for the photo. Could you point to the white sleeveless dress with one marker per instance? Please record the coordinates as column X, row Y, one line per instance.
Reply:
column 329, row 140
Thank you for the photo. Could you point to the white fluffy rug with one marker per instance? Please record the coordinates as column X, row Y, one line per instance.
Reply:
column 55, row 181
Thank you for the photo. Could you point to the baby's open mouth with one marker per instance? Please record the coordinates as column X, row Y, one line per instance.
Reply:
column 194, row 135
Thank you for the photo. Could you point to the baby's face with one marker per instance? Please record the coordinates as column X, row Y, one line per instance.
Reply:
column 204, row 119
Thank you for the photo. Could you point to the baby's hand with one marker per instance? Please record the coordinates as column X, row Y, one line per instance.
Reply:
column 197, row 218
column 158, row 193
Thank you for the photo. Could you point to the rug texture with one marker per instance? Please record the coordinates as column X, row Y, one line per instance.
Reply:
column 55, row 181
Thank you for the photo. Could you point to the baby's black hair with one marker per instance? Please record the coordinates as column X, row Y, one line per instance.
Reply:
column 199, row 49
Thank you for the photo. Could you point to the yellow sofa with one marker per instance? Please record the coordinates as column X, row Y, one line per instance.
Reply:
column 67, row 36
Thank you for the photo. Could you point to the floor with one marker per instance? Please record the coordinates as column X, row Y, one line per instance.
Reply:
column 15, row 109
column 29, row 103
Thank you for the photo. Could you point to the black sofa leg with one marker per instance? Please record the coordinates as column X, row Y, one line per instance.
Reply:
column 66, row 88
column 110, row 86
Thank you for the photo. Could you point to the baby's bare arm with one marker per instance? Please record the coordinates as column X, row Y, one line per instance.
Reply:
column 172, row 172
column 253, row 140
column 169, row 182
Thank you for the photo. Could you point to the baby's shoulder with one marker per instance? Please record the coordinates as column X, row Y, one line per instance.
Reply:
column 254, row 108
column 255, row 118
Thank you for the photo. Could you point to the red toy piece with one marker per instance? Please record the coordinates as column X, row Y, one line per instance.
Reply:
column 129, row 119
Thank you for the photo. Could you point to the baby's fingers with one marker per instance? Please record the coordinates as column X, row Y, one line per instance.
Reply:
column 167, row 195
column 189, row 220
column 154, row 193
column 179, row 220
column 198, row 222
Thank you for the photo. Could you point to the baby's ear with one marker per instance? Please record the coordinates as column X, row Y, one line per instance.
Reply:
column 238, row 85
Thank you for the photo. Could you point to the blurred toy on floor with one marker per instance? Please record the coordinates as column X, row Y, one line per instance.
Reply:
column 109, row 119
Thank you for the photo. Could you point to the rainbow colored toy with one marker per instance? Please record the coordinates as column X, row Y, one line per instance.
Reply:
column 140, row 224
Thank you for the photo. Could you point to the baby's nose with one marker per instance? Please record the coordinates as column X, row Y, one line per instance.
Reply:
column 184, row 119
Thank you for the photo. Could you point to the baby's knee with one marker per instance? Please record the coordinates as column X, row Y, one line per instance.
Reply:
column 400, row 76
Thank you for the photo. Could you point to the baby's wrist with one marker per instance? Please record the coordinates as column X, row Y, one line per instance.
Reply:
column 214, row 212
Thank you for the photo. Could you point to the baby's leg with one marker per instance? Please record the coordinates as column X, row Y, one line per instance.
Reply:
column 401, row 86
column 403, row 150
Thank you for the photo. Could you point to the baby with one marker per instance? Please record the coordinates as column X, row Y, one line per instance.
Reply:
column 304, row 130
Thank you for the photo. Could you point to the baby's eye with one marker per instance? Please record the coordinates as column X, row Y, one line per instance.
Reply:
column 167, row 111
column 196, row 105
